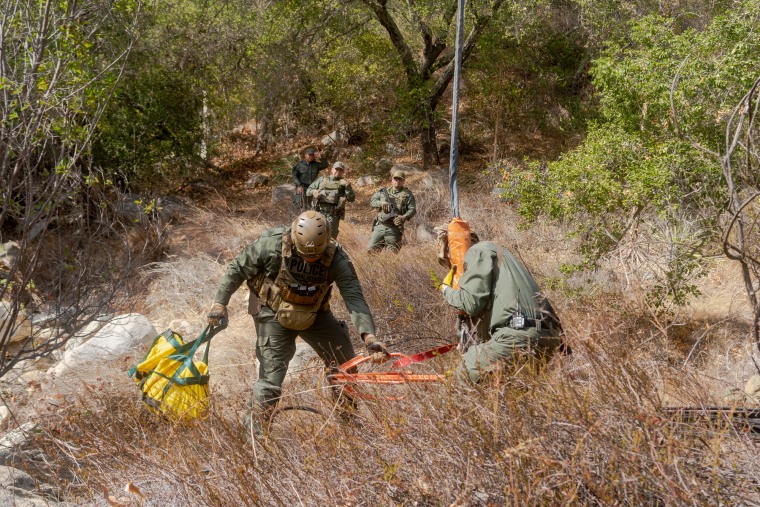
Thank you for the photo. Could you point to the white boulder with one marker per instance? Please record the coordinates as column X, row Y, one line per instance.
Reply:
column 125, row 334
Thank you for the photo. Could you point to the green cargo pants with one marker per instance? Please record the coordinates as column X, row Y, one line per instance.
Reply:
column 334, row 225
column 385, row 236
column 276, row 346
column 504, row 345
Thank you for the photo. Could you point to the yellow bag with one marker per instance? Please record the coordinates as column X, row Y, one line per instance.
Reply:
column 171, row 382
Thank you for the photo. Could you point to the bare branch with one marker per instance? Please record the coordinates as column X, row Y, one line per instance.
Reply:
column 742, row 224
column 46, row 127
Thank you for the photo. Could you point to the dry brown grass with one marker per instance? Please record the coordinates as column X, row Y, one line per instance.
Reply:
column 589, row 429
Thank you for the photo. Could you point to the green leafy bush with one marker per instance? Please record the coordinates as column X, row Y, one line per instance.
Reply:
column 664, row 96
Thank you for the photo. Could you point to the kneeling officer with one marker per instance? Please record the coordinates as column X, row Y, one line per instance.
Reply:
column 498, row 291
column 290, row 272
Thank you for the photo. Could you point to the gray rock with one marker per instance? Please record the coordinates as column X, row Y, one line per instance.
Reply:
column 126, row 207
column 12, row 442
column 384, row 165
column 283, row 194
column 16, row 478
column 5, row 310
column 257, row 180
column 52, row 316
column 17, row 489
column 480, row 498
column 9, row 253
column 392, row 149
column 87, row 332
column 363, row 181
column 43, row 319
column 169, row 208
column 337, row 136
column 137, row 209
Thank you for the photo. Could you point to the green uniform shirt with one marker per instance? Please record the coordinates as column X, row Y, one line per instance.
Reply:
column 265, row 255
column 330, row 181
column 406, row 206
column 502, row 291
column 304, row 173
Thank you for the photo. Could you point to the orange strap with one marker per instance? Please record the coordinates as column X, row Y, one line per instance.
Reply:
column 387, row 377
column 348, row 380
column 423, row 356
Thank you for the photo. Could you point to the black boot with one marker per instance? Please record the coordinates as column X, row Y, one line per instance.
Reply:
column 256, row 420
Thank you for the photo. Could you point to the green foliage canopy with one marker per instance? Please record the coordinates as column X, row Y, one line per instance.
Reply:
column 653, row 155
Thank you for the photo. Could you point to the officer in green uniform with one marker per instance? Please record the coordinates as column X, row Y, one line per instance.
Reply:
column 290, row 272
column 330, row 195
column 395, row 206
column 304, row 173
column 498, row 290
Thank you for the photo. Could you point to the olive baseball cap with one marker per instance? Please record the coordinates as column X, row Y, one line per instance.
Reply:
column 339, row 165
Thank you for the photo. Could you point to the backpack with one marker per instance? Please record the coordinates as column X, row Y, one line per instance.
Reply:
column 171, row 382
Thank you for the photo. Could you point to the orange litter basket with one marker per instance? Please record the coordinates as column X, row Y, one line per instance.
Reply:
column 348, row 376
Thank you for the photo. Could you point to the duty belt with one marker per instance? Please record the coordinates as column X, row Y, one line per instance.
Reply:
column 528, row 323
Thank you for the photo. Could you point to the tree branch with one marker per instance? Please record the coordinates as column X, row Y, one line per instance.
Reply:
column 448, row 72
column 380, row 9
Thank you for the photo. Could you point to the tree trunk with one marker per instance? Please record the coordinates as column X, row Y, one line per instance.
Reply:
column 265, row 131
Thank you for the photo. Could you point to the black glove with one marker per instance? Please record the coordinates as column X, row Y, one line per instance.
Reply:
column 216, row 314
column 376, row 349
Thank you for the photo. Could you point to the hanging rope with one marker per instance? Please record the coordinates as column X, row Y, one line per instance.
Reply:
column 455, row 112
column 458, row 242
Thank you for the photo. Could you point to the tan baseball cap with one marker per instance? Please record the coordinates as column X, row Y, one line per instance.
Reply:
column 398, row 173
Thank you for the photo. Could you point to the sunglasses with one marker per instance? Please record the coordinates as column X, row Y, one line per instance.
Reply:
column 398, row 178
